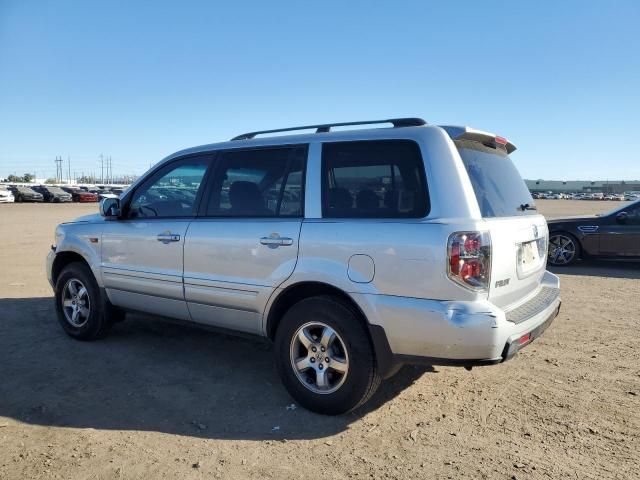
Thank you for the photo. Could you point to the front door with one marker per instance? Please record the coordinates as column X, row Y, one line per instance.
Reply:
column 142, row 254
column 620, row 236
column 246, row 244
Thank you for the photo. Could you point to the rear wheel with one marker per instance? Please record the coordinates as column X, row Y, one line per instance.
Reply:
column 81, row 310
column 564, row 249
column 325, row 357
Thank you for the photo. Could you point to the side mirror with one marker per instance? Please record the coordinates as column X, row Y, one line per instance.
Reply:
column 622, row 217
column 110, row 207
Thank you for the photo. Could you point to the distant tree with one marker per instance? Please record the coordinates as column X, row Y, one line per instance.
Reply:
column 27, row 178
column 51, row 180
column 15, row 178
column 87, row 179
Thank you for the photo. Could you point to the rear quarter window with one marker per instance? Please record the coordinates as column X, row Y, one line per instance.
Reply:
column 373, row 179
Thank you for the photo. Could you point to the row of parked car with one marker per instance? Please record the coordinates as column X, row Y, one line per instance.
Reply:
column 620, row 197
column 56, row 194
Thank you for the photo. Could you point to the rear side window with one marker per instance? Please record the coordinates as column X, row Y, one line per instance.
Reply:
column 373, row 179
column 499, row 188
column 258, row 183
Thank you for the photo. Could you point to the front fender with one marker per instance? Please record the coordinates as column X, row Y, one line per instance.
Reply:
column 83, row 239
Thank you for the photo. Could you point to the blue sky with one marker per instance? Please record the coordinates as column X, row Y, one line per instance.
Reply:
column 137, row 82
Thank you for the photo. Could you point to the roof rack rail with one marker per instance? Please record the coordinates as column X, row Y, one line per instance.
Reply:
column 326, row 127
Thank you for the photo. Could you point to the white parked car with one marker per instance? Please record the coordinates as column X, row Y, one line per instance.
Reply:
column 5, row 195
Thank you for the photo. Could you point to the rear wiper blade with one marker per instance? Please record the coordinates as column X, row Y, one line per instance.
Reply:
column 526, row 206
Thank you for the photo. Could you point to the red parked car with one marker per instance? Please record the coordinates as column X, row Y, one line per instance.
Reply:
column 84, row 197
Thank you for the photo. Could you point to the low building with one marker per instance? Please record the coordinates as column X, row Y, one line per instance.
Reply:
column 581, row 186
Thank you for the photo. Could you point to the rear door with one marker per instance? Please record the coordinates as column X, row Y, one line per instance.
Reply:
column 518, row 233
column 246, row 242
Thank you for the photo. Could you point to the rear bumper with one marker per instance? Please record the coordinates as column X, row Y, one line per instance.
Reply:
column 460, row 333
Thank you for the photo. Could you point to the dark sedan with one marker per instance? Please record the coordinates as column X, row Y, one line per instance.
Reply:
column 612, row 235
column 26, row 194
column 53, row 194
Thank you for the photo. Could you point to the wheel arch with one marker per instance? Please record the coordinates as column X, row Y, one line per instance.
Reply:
column 299, row 291
column 385, row 359
column 62, row 260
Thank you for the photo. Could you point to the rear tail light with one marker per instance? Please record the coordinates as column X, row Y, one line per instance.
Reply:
column 469, row 259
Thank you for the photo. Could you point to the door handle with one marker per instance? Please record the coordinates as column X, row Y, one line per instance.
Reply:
column 275, row 242
column 168, row 237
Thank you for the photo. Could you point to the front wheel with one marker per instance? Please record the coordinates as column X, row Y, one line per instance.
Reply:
column 81, row 310
column 564, row 249
column 325, row 357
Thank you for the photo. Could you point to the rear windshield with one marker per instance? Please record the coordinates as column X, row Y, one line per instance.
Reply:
column 499, row 189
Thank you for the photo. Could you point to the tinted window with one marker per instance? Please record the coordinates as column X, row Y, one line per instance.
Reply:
column 170, row 193
column 499, row 189
column 258, row 183
column 633, row 213
column 373, row 179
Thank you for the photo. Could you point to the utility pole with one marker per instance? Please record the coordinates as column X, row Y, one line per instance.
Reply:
column 69, row 169
column 58, row 169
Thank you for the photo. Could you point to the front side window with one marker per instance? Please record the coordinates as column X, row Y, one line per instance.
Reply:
column 633, row 213
column 172, row 192
column 264, row 182
column 373, row 179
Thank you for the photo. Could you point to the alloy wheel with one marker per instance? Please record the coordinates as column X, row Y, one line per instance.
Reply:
column 319, row 357
column 76, row 304
column 562, row 250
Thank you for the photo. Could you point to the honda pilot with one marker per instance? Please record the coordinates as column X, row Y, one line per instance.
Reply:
column 355, row 251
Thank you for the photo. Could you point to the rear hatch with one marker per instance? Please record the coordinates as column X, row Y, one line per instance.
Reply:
column 518, row 232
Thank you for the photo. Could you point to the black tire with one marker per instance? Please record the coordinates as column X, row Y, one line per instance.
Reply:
column 98, row 322
column 19, row 199
column 361, row 379
column 561, row 260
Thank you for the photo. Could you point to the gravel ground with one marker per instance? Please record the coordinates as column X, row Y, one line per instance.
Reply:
column 156, row 400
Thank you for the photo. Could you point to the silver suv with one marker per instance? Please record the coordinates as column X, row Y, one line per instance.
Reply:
column 355, row 251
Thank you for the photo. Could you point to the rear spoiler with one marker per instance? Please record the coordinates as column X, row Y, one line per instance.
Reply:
column 467, row 133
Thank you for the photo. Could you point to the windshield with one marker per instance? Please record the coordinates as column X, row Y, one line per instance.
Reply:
column 499, row 189
column 619, row 209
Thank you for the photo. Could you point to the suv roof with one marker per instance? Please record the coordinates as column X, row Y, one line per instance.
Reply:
column 323, row 132
column 326, row 127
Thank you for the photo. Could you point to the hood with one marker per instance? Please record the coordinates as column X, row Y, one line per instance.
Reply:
column 92, row 218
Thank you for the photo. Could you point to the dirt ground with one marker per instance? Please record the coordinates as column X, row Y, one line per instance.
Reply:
column 157, row 400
